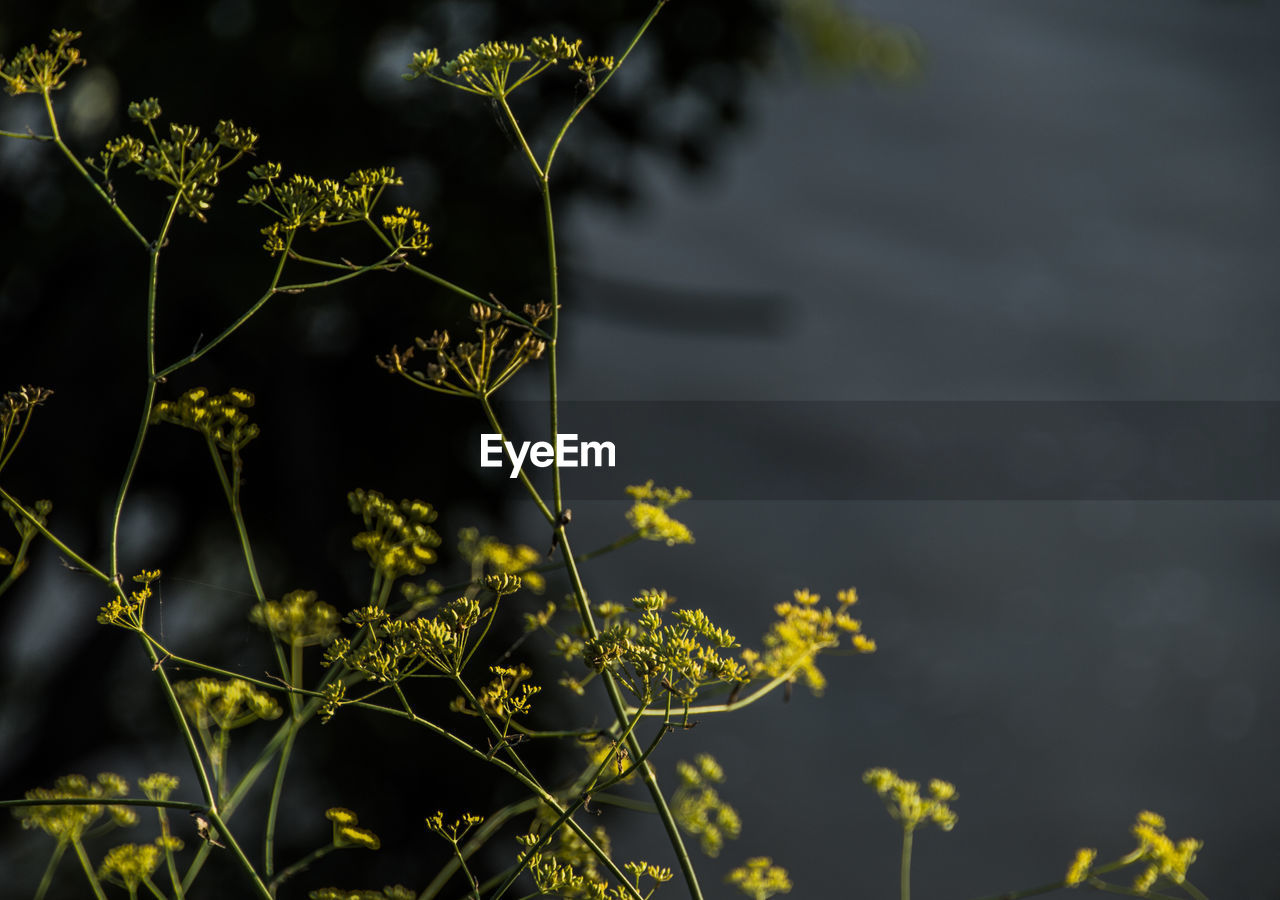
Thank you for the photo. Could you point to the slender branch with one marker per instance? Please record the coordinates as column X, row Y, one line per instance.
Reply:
column 479, row 838
column 79, row 167
column 57, row 542
column 234, row 326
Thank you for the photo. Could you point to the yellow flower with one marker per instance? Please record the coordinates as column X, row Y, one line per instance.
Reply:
column 1081, row 865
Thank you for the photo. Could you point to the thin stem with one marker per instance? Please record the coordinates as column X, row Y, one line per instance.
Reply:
column 479, row 838
column 633, row 746
column 99, row 801
column 26, row 135
column 299, row 866
column 277, row 788
column 53, row 539
column 88, row 869
column 905, row 875
column 43, row 888
column 530, row 783
column 153, row 280
column 239, row 854
column 234, row 326
column 766, row 688
column 231, row 488
column 71, row 157
column 206, row 789
column 591, row 95
column 524, row 477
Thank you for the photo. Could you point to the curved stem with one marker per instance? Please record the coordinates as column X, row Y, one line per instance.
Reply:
column 234, row 326
column 57, row 542
column 234, row 846
column 531, row 784
column 479, row 838
column 153, row 276
column 591, row 95
column 88, row 869
column 47, row 879
column 79, row 167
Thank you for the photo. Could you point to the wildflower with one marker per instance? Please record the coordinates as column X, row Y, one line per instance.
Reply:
column 904, row 802
column 298, row 619
column 760, row 879
column 130, row 864
column 1081, row 865
column 648, row 514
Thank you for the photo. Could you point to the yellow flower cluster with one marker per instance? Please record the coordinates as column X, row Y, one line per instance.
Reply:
column 648, row 514
column 456, row 830
column 801, row 633
column 298, row 619
column 903, row 800
column 698, row 808
column 760, row 879
column 1080, row 866
column 227, row 704
column 130, row 864
column 390, row 892
column 399, row 539
column 508, row 694
column 1167, row 859
column 219, row 418
column 347, row 832
column 488, row 557
column 34, row 71
column 66, row 823
column 487, row 69
column 300, row 201
column 158, row 785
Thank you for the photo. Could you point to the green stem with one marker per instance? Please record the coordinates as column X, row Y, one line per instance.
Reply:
column 88, row 869
column 206, row 789
column 47, row 879
column 231, row 488
column 1193, row 890
column 26, row 136
column 299, row 866
column 153, row 282
column 234, row 846
column 71, row 157
column 479, row 838
column 234, row 326
column 53, row 539
column 524, row 477
column 98, row 801
column 905, row 876
column 591, row 95
column 170, row 863
column 633, row 746
column 530, row 783
column 277, row 788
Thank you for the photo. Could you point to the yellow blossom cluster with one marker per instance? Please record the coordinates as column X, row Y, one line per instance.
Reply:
column 801, row 633
column 904, row 802
column 298, row 619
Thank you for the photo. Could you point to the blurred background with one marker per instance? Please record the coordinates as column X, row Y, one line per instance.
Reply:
column 1039, row 202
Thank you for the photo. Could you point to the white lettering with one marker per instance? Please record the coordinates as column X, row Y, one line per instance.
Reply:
column 542, row 454
column 517, row 460
column 567, row 452
column 490, row 451
column 599, row 447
